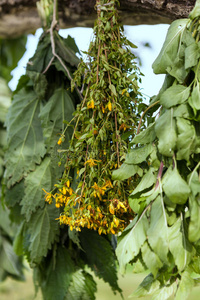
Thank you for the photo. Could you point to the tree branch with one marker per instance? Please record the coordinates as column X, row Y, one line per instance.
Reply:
column 20, row 16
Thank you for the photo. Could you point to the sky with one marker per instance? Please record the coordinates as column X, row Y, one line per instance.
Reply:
column 153, row 34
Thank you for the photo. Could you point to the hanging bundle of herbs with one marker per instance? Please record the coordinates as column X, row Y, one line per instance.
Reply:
column 103, row 123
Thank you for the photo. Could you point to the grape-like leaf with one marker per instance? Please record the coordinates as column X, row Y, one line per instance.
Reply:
column 25, row 137
column 40, row 179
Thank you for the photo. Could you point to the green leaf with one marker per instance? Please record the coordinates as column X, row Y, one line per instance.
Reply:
column 171, row 47
column 165, row 292
column 165, row 128
column 130, row 244
column 40, row 179
column 65, row 51
column 196, row 10
column 100, row 257
column 113, row 90
column 176, row 94
column 11, row 52
column 151, row 260
column 185, row 286
column 39, row 83
column 158, row 230
column 146, row 136
column 179, row 245
column 194, row 224
column 56, row 278
column 25, row 138
column 175, row 187
column 194, row 182
column 43, row 229
column 194, row 100
column 43, row 55
column 126, row 171
column 14, row 194
column 138, row 155
column 82, row 287
column 186, row 141
column 9, row 260
column 192, row 55
column 5, row 100
column 147, row 181
column 58, row 109
column 147, row 287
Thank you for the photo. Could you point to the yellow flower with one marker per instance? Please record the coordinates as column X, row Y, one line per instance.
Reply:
column 68, row 183
column 59, row 141
column 109, row 106
column 48, row 197
column 90, row 104
column 91, row 162
column 111, row 209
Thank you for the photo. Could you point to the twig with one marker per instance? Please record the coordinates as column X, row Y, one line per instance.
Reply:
column 53, row 24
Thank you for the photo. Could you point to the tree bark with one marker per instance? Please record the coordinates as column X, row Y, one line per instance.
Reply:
column 19, row 17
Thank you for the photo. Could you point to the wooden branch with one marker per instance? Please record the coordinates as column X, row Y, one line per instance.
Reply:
column 20, row 16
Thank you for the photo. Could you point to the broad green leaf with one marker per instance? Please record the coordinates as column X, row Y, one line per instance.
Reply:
column 138, row 155
column 147, row 287
column 58, row 109
column 15, row 194
column 25, row 138
column 5, row 99
column 130, row 244
column 196, row 10
column 82, row 287
column 185, row 286
column 165, row 292
column 42, row 56
column 182, row 111
column 194, row 182
column 194, row 224
column 147, row 181
column 40, row 179
column 55, row 280
column 171, row 47
column 126, row 171
column 176, row 94
column 177, row 70
column 43, row 229
column 39, row 83
column 9, row 260
column 64, row 50
column 194, row 100
column 158, row 230
column 100, row 257
column 175, row 187
column 186, row 141
column 165, row 128
column 179, row 246
column 18, row 241
column 192, row 54
column 151, row 260
column 146, row 136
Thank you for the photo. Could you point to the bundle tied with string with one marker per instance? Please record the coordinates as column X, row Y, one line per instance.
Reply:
column 103, row 123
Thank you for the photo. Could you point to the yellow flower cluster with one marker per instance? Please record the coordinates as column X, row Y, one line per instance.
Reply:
column 100, row 213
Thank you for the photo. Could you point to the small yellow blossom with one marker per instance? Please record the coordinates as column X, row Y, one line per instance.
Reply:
column 92, row 162
column 123, row 91
column 68, row 183
column 59, row 141
column 90, row 104
column 111, row 209
column 109, row 106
